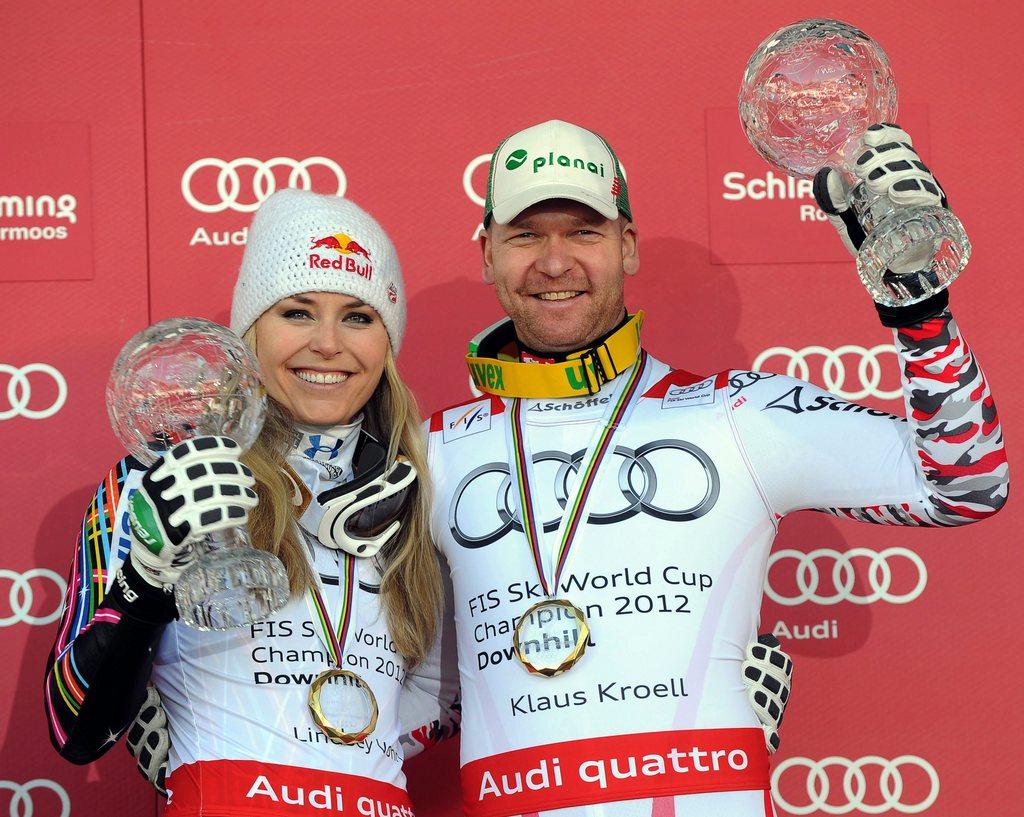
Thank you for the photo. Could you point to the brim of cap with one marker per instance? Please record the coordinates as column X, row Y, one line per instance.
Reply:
column 511, row 207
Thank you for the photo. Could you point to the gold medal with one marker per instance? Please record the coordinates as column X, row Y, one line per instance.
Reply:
column 343, row 706
column 551, row 637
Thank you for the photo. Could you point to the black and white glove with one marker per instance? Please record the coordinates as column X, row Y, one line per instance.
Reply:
column 890, row 167
column 196, row 488
column 767, row 675
column 148, row 742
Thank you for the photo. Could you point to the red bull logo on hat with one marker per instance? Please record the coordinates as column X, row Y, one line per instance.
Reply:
column 347, row 247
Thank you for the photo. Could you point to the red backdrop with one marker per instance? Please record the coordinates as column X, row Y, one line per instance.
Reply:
column 155, row 129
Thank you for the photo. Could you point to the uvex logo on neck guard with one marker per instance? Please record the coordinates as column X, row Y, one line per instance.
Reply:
column 487, row 375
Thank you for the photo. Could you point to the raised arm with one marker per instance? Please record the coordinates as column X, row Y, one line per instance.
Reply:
column 942, row 465
column 96, row 673
column 138, row 535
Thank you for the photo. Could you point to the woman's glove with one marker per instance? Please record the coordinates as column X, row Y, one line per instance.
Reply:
column 196, row 488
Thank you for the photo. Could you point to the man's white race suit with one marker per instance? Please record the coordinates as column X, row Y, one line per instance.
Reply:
column 671, row 564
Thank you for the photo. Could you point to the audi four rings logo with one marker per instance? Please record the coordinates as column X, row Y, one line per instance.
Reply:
column 22, row 800
column 879, row 576
column 637, row 481
column 21, row 596
column 19, row 391
column 855, row 785
column 833, row 370
column 233, row 195
column 467, row 178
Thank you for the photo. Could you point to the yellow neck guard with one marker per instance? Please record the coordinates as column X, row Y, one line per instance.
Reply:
column 583, row 373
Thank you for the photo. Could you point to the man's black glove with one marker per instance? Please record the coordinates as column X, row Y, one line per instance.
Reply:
column 148, row 741
column 767, row 675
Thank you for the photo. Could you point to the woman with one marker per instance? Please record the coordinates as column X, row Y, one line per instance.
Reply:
column 320, row 299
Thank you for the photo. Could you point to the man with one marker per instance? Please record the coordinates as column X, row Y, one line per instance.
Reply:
column 607, row 519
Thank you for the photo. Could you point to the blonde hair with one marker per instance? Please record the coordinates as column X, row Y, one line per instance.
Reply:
column 410, row 589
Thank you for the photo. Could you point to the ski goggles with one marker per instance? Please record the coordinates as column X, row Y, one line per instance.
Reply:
column 364, row 514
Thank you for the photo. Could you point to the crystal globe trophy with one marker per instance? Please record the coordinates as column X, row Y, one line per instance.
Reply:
column 184, row 378
column 809, row 94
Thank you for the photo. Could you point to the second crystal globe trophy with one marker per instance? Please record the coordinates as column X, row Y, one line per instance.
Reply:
column 189, row 377
column 809, row 94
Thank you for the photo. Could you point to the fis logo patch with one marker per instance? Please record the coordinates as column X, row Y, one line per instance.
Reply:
column 463, row 421
column 697, row 394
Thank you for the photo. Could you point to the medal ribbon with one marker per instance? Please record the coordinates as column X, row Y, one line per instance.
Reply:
column 334, row 637
column 586, row 480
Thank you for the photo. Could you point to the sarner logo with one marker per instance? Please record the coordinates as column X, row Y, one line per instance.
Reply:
column 515, row 159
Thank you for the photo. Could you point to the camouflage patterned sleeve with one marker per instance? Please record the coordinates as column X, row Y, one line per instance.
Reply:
column 957, row 436
column 942, row 465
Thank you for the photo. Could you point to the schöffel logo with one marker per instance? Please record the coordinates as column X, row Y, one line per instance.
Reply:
column 571, row 405
column 346, row 247
column 515, row 159
column 462, row 421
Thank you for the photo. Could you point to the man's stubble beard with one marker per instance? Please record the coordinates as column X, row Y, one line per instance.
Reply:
column 530, row 330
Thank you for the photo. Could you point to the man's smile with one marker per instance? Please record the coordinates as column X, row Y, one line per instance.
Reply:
column 557, row 296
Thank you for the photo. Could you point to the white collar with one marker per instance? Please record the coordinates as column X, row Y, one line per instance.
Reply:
column 321, row 456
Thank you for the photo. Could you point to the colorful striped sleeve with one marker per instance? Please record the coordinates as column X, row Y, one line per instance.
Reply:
column 96, row 673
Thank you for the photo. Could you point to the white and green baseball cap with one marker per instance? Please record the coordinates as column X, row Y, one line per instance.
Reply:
column 554, row 160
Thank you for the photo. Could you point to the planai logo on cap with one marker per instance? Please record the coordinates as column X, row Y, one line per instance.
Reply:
column 567, row 161
column 515, row 159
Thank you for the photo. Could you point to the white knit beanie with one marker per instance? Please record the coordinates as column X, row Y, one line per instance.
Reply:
column 304, row 242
